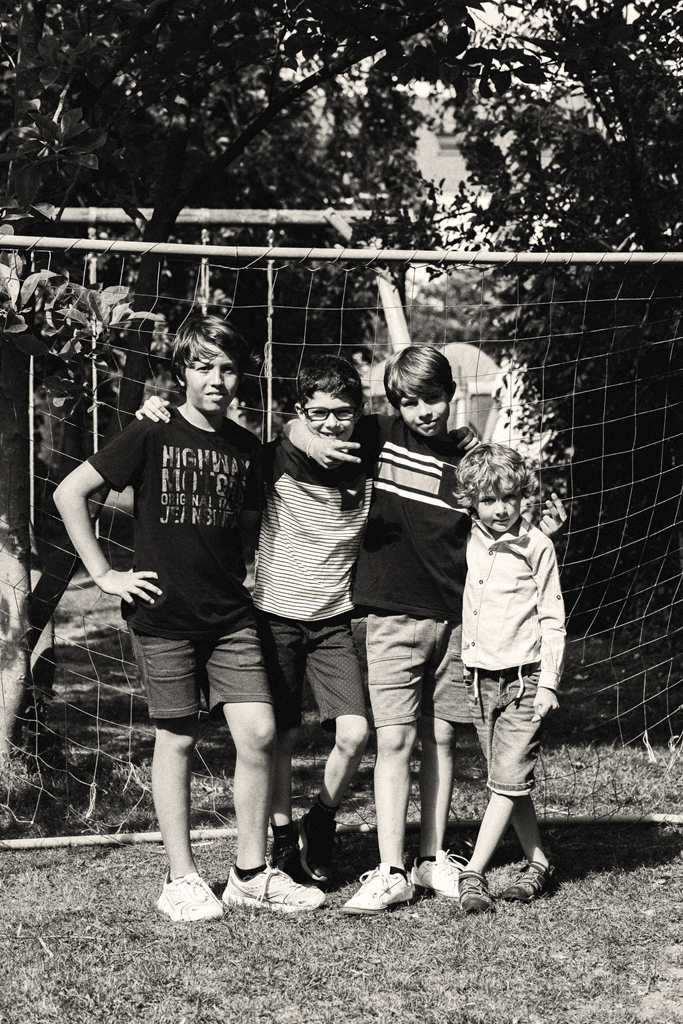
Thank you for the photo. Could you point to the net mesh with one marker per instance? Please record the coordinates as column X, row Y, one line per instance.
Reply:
column 578, row 366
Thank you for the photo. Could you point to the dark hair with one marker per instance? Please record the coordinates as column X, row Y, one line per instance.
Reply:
column 198, row 332
column 331, row 374
column 414, row 372
column 491, row 468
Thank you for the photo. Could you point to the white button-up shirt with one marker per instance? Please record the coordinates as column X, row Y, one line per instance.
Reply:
column 513, row 611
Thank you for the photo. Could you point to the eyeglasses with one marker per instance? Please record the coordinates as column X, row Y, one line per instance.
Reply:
column 344, row 415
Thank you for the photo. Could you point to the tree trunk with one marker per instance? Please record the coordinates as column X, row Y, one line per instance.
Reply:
column 15, row 545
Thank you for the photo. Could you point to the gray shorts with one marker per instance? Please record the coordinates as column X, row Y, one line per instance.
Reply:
column 502, row 713
column 175, row 673
column 415, row 669
column 322, row 652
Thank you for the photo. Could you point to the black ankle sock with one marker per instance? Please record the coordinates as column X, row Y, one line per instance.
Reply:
column 397, row 871
column 319, row 807
column 284, row 831
column 246, row 875
column 421, row 860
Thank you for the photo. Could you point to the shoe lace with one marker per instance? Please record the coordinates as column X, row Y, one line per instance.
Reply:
column 367, row 876
column 267, row 875
column 453, row 864
column 533, row 878
column 198, row 889
column 471, row 885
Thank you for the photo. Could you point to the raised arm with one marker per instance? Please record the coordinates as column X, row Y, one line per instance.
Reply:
column 71, row 499
column 326, row 451
column 553, row 518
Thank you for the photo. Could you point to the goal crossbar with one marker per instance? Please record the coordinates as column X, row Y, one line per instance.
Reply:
column 433, row 257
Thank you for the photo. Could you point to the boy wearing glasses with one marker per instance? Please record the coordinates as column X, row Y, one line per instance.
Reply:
column 311, row 531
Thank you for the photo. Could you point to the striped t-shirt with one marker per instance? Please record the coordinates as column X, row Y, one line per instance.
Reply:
column 311, row 530
column 412, row 558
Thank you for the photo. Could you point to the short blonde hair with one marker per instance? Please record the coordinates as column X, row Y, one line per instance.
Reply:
column 492, row 469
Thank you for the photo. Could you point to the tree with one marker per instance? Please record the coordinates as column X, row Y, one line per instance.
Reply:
column 589, row 160
column 158, row 105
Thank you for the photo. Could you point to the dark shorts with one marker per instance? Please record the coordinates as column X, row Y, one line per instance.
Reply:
column 415, row 669
column 503, row 720
column 322, row 652
column 175, row 673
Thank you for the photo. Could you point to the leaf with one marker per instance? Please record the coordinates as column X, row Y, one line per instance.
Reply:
column 47, row 126
column 29, row 344
column 14, row 323
column 27, row 183
column 10, row 283
column 531, row 75
column 48, row 76
column 120, row 312
column 115, row 293
column 95, row 304
column 88, row 141
column 501, row 81
column 32, row 282
column 71, row 118
column 47, row 210
column 75, row 314
column 146, row 315
column 85, row 160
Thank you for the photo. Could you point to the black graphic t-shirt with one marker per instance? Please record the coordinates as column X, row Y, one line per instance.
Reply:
column 190, row 486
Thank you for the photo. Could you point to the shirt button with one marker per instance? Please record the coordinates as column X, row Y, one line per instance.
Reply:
column 472, row 644
column 474, row 613
column 481, row 581
column 491, row 551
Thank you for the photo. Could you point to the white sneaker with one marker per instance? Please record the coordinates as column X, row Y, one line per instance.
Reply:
column 380, row 890
column 440, row 875
column 189, row 899
column 274, row 890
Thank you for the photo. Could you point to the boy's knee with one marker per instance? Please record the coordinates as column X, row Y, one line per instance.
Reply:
column 262, row 733
column 178, row 734
column 437, row 731
column 396, row 740
column 351, row 735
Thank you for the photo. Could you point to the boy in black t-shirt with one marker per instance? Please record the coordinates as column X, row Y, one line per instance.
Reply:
column 196, row 482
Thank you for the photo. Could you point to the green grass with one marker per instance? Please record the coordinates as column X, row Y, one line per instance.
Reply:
column 81, row 943
column 615, row 745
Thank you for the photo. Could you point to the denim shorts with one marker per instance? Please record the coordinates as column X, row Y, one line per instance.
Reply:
column 175, row 673
column 502, row 718
column 414, row 669
column 324, row 653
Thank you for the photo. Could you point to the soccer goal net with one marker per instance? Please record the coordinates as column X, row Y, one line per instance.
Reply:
column 575, row 360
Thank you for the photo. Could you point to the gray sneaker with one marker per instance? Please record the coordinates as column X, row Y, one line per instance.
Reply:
column 273, row 890
column 533, row 881
column 475, row 897
column 188, row 899
column 381, row 890
column 440, row 875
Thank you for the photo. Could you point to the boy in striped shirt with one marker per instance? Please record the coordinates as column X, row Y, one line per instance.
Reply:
column 311, row 531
